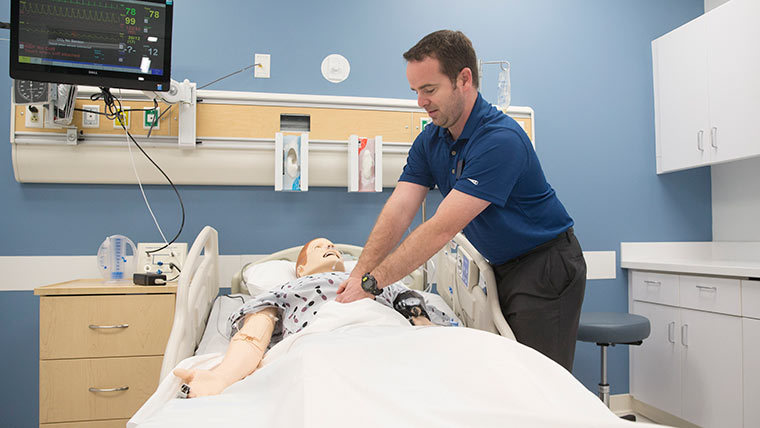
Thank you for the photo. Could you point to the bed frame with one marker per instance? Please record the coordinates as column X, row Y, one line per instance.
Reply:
column 476, row 304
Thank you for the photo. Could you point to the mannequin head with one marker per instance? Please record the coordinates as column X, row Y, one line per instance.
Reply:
column 317, row 256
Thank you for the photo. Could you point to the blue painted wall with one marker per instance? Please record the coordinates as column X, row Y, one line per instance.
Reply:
column 583, row 65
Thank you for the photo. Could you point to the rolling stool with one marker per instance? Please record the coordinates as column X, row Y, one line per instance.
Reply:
column 610, row 329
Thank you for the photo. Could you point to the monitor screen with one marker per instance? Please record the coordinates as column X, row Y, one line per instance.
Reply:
column 110, row 43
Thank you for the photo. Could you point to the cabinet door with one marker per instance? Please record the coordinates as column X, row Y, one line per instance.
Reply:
column 680, row 82
column 711, row 369
column 734, row 80
column 751, row 372
column 656, row 364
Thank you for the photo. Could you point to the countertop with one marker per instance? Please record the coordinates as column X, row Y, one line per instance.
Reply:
column 735, row 259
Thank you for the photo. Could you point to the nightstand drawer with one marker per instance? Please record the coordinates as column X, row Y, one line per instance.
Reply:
column 65, row 394
column 104, row 326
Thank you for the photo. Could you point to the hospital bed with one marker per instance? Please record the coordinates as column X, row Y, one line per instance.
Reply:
column 474, row 302
column 358, row 363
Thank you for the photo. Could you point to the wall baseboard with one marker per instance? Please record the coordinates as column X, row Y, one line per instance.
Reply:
column 622, row 404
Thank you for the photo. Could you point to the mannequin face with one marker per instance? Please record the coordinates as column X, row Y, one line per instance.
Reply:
column 321, row 256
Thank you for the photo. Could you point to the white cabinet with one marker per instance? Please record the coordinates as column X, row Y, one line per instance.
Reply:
column 751, row 351
column 734, row 79
column 751, row 330
column 680, row 80
column 657, row 362
column 691, row 365
column 711, row 367
column 707, row 88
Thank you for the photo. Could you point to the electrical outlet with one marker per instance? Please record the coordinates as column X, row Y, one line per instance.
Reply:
column 160, row 262
column 91, row 120
column 34, row 116
column 261, row 69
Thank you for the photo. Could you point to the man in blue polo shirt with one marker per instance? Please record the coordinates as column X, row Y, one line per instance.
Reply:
column 494, row 191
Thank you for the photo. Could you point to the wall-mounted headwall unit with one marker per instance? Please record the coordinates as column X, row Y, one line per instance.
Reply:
column 235, row 139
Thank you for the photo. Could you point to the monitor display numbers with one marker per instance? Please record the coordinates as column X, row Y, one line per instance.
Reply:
column 124, row 36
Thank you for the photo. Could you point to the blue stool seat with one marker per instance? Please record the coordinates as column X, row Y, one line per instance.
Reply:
column 608, row 329
column 612, row 327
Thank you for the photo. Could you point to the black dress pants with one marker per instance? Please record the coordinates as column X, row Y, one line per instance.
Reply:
column 541, row 293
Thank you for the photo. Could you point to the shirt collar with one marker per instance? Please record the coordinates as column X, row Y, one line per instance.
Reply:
column 478, row 111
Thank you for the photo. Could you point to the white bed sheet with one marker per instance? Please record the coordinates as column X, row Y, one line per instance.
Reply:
column 363, row 364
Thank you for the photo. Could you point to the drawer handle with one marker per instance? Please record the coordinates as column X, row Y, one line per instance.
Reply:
column 96, row 327
column 706, row 288
column 714, row 137
column 121, row 388
column 672, row 332
column 685, row 335
column 700, row 145
column 650, row 282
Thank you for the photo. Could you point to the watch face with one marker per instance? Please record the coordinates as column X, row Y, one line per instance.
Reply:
column 369, row 284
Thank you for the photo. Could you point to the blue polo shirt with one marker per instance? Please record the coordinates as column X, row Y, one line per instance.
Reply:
column 492, row 160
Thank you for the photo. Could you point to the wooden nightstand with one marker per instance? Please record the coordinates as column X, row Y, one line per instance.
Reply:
column 101, row 347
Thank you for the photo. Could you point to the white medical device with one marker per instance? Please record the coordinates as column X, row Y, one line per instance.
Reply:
column 113, row 263
column 291, row 162
column 168, row 261
column 365, row 164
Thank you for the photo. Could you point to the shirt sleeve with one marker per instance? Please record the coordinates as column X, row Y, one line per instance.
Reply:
column 491, row 171
column 417, row 168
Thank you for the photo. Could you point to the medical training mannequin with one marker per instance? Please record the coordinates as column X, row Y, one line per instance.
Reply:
column 248, row 345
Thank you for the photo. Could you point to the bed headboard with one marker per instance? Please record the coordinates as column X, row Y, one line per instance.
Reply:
column 413, row 280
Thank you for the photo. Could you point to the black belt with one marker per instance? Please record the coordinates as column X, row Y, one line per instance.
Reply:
column 564, row 235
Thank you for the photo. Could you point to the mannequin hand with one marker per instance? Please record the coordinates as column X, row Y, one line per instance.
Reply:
column 202, row 382
column 351, row 290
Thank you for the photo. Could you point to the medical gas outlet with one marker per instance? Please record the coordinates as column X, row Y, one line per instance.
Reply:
column 365, row 164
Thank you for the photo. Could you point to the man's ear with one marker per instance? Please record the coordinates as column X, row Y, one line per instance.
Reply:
column 465, row 76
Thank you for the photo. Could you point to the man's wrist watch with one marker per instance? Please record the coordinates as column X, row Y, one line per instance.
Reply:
column 369, row 284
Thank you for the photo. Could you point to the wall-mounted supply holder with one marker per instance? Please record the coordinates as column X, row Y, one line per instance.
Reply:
column 291, row 162
column 365, row 164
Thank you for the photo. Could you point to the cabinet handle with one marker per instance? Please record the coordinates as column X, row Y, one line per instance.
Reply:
column 121, row 388
column 96, row 327
column 650, row 282
column 706, row 288
column 700, row 146
column 672, row 332
column 714, row 136
column 685, row 335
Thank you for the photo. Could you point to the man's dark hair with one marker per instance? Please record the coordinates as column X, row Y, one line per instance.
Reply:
column 451, row 48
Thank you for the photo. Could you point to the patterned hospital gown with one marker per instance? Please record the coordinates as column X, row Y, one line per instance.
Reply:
column 298, row 302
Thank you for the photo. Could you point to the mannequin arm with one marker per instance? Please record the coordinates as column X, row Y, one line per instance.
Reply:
column 243, row 356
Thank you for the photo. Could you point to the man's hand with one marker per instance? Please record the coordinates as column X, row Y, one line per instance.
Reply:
column 202, row 382
column 351, row 290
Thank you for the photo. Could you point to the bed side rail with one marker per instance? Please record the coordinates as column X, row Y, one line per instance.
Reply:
column 465, row 280
column 196, row 290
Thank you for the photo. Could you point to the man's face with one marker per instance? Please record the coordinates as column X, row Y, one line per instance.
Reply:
column 321, row 256
column 443, row 101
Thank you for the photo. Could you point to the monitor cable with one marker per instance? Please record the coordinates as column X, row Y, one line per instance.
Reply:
column 113, row 110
